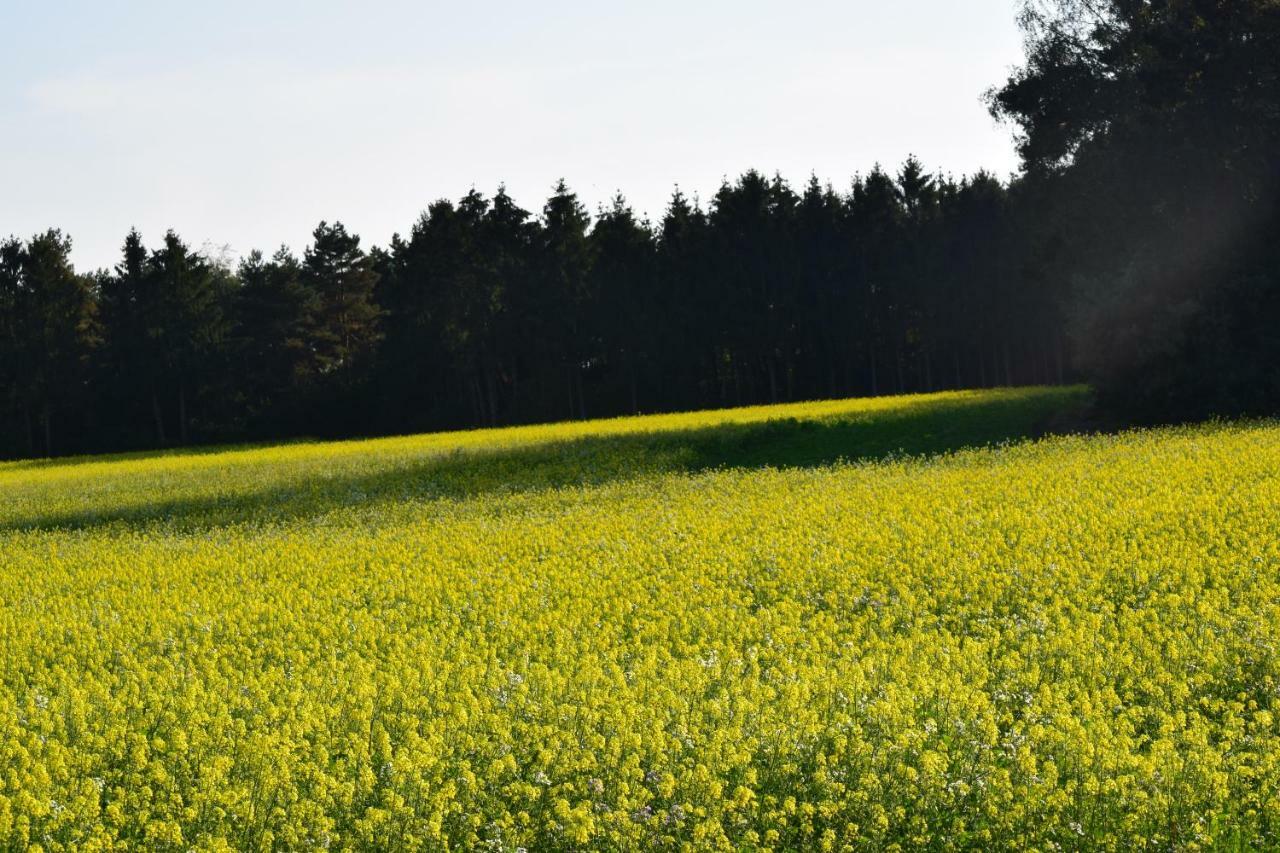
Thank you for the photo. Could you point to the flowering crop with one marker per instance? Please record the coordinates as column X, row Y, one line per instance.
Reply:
column 618, row 635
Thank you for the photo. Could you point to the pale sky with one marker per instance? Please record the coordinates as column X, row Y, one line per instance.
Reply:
column 246, row 123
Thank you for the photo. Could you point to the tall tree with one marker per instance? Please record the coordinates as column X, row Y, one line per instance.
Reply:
column 622, row 281
column 345, row 328
column 273, row 312
column 876, row 218
column 919, row 275
column 1152, row 128
column 184, row 314
column 565, row 259
column 12, row 350
column 130, row 367
column 52, row 331
column 509, row 237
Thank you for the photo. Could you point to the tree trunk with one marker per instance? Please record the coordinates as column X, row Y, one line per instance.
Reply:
column 31, row 432
column 182, row 413
column 1008, row 371
column 492, row 388
column 514, row 414
column 477, row 404
column 955, row 354
column 47, row 417
column 875, row 380
column 159, row 419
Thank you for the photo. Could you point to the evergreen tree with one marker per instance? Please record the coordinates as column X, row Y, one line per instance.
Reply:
column 51, row 332
column 184, row 315
column 689, row 339
column 509, row 236
column 12, row 351
column 876, row 219
column 622, row 281
column 344, row 326
column 918, row 274
column 824, row 292
column 131, row 363
column 274, row 310
column 565, row 260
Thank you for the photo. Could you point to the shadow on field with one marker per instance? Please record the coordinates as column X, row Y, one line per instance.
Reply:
column 246, row 492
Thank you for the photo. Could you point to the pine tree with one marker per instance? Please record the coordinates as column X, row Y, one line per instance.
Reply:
column 345, row 325
column 876, row 218
column 565, row 262
column 185, row 321
column 13, row 352
column 622, row 281
column 132, row 365
column 507, row 243
column 689, row 339
column 54, row 331
column 274, row 309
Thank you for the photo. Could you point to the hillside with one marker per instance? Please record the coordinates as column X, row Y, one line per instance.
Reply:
column 832, row 625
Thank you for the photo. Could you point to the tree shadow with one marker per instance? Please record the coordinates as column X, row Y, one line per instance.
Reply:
column 247, row 492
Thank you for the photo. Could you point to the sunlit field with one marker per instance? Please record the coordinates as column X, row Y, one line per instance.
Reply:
column 838, row 625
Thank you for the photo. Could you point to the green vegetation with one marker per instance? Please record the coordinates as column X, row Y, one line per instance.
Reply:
column 742, row 629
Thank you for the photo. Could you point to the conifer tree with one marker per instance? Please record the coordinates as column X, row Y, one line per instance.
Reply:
column 53, row 329
column 565, row 261
column 345, row 324
column 274, row 310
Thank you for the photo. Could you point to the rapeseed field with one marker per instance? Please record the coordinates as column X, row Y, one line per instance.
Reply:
column 823, row 626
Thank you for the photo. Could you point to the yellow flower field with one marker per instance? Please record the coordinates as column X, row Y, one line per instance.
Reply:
column 722, row 630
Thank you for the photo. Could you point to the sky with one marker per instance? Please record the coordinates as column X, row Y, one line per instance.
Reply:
column 244, row 124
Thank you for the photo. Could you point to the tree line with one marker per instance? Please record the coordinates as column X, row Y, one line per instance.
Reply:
column 1138, row 249
column 485, row 314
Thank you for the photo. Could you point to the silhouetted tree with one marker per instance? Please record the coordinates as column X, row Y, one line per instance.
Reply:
column 344, row 324
column 565, row 256
column 622, row 280
column 274, row 311
column 50, row 331
column 688, row 339
column 184, row 321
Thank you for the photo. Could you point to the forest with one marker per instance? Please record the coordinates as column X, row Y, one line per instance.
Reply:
column 1136, row 249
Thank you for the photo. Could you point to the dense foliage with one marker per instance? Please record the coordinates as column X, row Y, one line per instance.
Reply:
column 595, row 636
column 1153, row 130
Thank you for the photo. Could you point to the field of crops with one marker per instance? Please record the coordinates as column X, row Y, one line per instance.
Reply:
column 743, row 629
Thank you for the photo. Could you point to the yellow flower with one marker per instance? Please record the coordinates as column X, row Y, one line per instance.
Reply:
column 586, row 635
